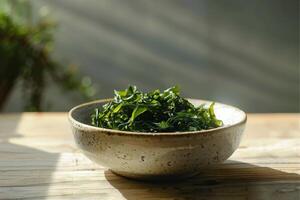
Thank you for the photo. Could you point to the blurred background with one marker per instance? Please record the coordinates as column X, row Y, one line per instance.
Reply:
column 55, row 54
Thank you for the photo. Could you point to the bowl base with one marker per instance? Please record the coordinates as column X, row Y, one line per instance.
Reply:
column 155, row 178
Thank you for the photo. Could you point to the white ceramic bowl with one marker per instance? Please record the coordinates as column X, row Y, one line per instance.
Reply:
column 147, row 156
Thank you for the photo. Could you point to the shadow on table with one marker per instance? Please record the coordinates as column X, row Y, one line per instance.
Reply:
column 231, row 180
column 25, row 172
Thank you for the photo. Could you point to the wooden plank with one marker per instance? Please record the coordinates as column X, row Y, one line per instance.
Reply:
column 38, row 160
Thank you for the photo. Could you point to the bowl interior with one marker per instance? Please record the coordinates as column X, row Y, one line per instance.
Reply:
column 228, row 114
column 82, row 113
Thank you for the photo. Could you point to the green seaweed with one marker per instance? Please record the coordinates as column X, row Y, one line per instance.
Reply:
column 155, row 111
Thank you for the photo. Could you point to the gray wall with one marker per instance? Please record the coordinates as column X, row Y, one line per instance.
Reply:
column 244, row 53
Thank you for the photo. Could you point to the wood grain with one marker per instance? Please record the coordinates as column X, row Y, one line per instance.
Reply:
column 38, row 160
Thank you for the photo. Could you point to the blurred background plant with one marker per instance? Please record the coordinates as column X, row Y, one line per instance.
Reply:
column 244, row 53
column 25, row 49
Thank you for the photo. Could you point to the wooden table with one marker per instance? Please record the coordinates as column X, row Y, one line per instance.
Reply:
column 38, row 160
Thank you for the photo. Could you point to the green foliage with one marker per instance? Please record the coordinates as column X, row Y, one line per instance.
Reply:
column 25, row 50
column 133, row 110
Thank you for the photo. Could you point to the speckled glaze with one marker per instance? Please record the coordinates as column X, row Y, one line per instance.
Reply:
column 149, row 156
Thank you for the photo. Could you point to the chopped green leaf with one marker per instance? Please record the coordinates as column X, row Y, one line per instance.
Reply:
column 136, row 112
column 133, row 110
column 116, row 109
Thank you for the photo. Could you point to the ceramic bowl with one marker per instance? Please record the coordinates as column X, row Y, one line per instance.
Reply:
column 147, row 156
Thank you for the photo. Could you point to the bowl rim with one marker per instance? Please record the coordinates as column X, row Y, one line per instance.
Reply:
column 119, row 132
